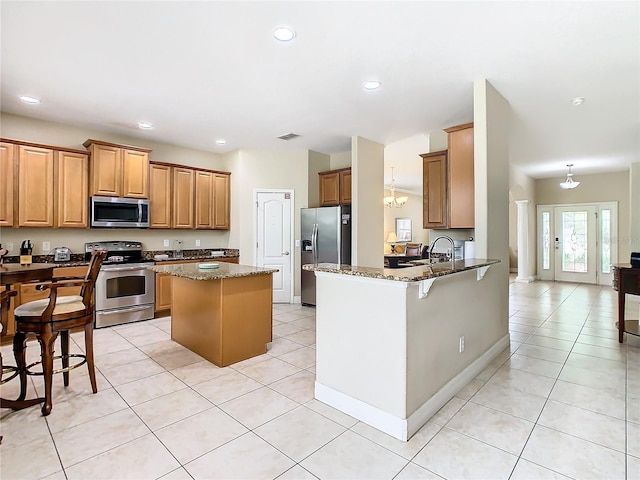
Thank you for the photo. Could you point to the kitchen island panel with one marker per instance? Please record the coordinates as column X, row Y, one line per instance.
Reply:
column 224, row 320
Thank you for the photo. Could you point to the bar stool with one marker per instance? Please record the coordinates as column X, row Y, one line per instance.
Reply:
column 5, row 304
column 58, row 315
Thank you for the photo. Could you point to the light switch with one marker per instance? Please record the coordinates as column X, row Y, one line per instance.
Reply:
column 297, row 243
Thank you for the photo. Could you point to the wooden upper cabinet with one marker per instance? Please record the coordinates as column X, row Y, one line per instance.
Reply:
column 7, row 164
column 106, row 170
column 204, row 200
column 329, row 188
column 461, row 177
column 183, row 197
column 35, row 186
column 448, row 182
column 222, row 201
column 72, row 189
column 135, row 174
column 345, row 186
column 335, row 187
column 160, row 195
column 118, row 170
column 434, row 179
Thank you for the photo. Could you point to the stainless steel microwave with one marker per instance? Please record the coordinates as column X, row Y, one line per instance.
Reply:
column 116, row 212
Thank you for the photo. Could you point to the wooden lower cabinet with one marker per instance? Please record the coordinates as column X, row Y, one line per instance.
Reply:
column 163, row 283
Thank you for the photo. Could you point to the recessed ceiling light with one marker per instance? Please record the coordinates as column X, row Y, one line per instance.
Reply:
column 284, row 34
column 371, row 85
column 221, row 141
column 577, row 101
column 145, row 126
column 29, row 99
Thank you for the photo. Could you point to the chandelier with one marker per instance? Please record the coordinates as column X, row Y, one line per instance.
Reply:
column 392, row 200
column 569, row 182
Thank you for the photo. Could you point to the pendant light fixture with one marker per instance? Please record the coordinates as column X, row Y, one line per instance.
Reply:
column 569, row 183
column 392, row 200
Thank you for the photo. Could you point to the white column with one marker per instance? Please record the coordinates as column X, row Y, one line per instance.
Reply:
column 524, row 275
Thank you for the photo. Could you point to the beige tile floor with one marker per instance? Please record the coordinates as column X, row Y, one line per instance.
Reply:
column 562, row 402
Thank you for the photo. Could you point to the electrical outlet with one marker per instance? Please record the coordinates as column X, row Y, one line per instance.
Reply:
column 197, row 243
column 165, row 242
column 9, row 246
column 46, row 246
column 461, row 345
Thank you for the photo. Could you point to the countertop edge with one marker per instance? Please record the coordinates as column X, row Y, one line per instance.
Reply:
column 408, row 275
column 227, row 271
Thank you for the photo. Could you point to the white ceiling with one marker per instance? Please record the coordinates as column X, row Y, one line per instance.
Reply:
column 200, row 71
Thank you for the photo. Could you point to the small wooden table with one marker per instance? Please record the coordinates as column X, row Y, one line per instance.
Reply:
column 394, row 258
column 13, row 273
column 626, row 279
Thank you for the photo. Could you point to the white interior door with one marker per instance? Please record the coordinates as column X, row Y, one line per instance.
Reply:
column 575, row 243
column 274, row 240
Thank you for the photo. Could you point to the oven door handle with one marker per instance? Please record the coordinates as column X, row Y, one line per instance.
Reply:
column 125, row 269
column 128, row 310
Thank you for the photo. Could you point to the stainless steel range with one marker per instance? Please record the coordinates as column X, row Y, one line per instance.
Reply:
column 125, row 289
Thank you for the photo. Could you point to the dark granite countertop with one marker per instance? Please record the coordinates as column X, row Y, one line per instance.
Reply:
column 223, row 270
column 408, row 274
column 78, row 260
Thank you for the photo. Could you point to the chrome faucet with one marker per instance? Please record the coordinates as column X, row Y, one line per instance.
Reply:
column 453, row 248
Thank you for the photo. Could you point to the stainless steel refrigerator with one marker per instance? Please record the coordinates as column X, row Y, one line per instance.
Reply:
column 326, row 238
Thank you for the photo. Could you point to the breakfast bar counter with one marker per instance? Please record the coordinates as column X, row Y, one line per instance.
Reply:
column 221, row 311
column 394, row 345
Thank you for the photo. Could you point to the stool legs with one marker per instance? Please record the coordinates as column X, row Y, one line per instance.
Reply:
column 47, row 338
column 64, row 347
column 88, row 351
column 19, row 340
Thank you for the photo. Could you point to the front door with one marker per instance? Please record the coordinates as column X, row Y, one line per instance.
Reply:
column 575, row 243
column 274, row 242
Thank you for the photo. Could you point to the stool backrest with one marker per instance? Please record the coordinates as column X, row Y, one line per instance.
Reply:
column 97, row 257
column 5, row 305
column 413, row 249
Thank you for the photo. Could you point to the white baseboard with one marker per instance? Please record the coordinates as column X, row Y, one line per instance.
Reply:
column 513, row 270
column 528, row 279
column 404, row 428
column 297, row 299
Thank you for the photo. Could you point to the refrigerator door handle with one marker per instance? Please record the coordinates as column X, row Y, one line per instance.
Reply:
column 314, row 243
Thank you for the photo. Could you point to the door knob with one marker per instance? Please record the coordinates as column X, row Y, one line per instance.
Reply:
column 285, row 253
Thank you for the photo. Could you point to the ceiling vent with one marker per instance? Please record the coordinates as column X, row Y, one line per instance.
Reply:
column 288, row 136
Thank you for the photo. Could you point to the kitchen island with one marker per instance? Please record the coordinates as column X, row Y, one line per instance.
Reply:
column 221, row 311
column 394, row 345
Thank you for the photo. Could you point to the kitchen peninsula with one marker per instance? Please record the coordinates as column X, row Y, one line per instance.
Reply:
column 221, row 311
column 394, row 345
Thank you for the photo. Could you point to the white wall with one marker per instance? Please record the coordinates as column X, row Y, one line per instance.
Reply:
column 16, row 127
column 522, row 187
column 265, row 169
column 601, row 187
column 340, row 160
column 318, row 162
column 491, row 115
column 634, row 210
column 367, row 179
column 404, row 155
